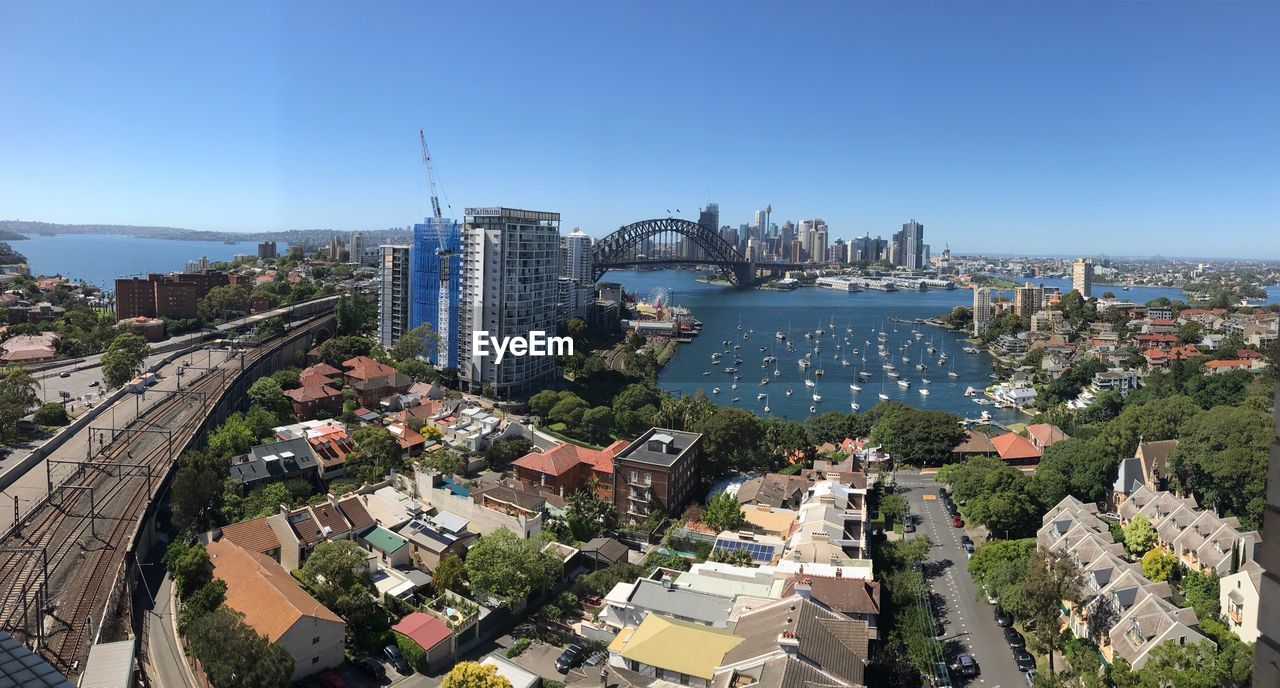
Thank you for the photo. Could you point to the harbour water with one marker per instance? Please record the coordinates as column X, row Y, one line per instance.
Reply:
column 101, row 258
column 762, row 315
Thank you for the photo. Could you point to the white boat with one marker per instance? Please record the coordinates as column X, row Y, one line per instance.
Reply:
column 733, row 386
column 952, row 373
column 970, row 391
column 905, row 384
column 715, row 390
column 817, row 398
column 818, row 372
column 779, row 335
column 809, row 383
column 788, row 391
column 854, row 405
column 855, row 388
column 813, row 409
column 844, row 362
column 736, row 399
column 776, row 372
column 925, row 380
column 893, row 374
column 884, row 396
column 923, row 391
column 761, row 396
column 730, row 370
column 803, row 363
column 764, row 381
column 706, row 372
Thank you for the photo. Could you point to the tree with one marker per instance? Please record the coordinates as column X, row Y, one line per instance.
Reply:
column 417, row 343
column 917, row 437
column 266, row 392
column 505, row 568
column 473, row 675
column 340, row 349
column 723, row 512
column 999, row 567
column 1184, row 666
column 634, row 409
column 377, row 452
column 736, row 557
column 416, row 370
column 17, row 396
column 1222, row 458
column 234, row 437
column 52, row 413
column 188, row 564
column 1085, row 470
column 733, row 441
column 832, row 426
column 203, row 601
column 568, row 410
column 450, row 574
column 123, row 359
column 1139, row 536
column 541, row 403
column 233, row 655
column 352, row 314
column 287, row 378
column 1201, row 592
column 505, row 451
column 1158, row 563
column 335, row 568
column 588, row 515
column 596, row 422
column 446, row 461
column 1052, row 578
column 222, row 302
column 195, row 498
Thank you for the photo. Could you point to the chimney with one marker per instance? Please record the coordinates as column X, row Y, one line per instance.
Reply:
column 805, row 588
column 789, row 642
column 839, row 573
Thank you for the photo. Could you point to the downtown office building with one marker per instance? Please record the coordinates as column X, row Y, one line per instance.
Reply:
column 510, row 276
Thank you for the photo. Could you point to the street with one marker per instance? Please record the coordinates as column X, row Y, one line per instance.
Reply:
column 968, row 623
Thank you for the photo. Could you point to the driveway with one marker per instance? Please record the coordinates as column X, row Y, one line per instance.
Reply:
column 968, row 624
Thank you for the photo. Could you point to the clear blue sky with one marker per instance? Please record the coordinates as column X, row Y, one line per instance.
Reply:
column 1033, row 127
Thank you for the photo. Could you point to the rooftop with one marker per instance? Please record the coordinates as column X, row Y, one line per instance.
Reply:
column 659, row 447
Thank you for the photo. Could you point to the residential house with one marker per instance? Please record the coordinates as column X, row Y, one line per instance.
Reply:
column 679, row 652
column 331, row 445
column 1229, row 364
column 975, row 444
column 627, row 605
column 1045, row 435
column 567, row 468
column 604, row 552
column 796, row 642
column 313, row 399
column 275, row 605
column 432, row 635
column 657, row 471
column 432, row 540
column 855, row 598
column 774, row 490
column 275, row 462
column 411, row 441
column 1201, row 539
column 1238, row 595
column 391, row 550
column 373, row 381
column 26, row 348
column 831, row 527
column 1016, row 449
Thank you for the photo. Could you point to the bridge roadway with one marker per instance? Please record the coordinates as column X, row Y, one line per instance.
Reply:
column 60, row 570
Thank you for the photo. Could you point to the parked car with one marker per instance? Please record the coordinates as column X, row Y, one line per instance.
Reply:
column 967, row 666
column 329, row 679
column 371, row 667
column 1014, row 638
column 956, row 521
column 1003, row 620
column 596, row 659
column 392, row 654
column 968, row 548
column 570, row 658
column 965, row 540
column 64, row 374
column 908, row 526
column 1023, row 659
column 95, row 383
column 1031, row 678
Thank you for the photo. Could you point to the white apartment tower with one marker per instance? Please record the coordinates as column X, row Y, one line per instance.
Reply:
column 510, row 284
column 575, row 256
column 981, row 309
column 1082, row 277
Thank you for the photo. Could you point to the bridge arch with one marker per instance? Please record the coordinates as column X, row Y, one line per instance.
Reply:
column 625, row 248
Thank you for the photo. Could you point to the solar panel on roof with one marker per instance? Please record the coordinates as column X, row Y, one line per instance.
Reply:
column 758, row 550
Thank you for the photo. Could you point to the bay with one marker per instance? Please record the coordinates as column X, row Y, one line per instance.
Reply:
column 101, row 258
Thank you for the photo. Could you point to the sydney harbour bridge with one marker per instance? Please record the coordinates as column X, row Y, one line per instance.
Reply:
column 671, row 241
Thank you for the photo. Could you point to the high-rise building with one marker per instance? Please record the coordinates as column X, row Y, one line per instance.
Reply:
column 1027, row 300
column 393, row 294
column 785, row 236
column 709, row 219
column 356, row 246
column 576, row 286
column 819, row 251
column 981, row 309
column 1082, row 277
column 335, row 249
column 908, row 246
column 510, row 281
column 797, row 251
column 435, row 286
column 267, row 250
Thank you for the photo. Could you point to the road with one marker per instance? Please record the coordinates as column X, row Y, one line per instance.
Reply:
column 968, row 623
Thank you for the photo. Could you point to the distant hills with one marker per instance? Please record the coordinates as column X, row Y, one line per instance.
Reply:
column 16, row 230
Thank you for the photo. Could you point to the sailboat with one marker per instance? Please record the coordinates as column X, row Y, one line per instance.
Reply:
column 766, row 403
column 952, row 373
column 882, row 394
column 817, row 398
column 853, row 405
column 854, row 388
column 788, row 391
column 923, row 391
column 809, row 383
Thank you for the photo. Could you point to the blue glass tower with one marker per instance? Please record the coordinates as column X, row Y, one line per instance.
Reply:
column 435, row 285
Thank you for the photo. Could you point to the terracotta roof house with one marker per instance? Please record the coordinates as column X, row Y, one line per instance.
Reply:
column 254, row 535
column 1228, row 365
column 431, row 634
column 321, row 373
column 411, row 441
column 373, row 381
column 331, row 445
column 1016, row 449
column 312, row 398
column 775, row 490
column 1045, row 435
column 275, row 605
column 25, row 348
column 566, row 468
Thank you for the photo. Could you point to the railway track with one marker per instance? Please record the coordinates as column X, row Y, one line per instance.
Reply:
column 86, row 552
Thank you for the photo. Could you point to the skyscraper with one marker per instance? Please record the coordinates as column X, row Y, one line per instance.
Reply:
column 575, row 275
column 1082, row 277
column 393, row 294
column 785, row 236
column 709, row 219
column 356, row 247
column 981, row 309
column 908, row 246
column 510, row 268
column 267, row 250
column 435, row 285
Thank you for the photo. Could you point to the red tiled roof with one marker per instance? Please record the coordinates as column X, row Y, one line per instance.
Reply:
column 406, row 436
column 1232, row 363
column 565, row 456
column 271, row 600
column 254, row 535
column 424, row 629
column 1046, row 434
column 364, row 368
column 355, row 512
column 311, row 392
column 1011, row 445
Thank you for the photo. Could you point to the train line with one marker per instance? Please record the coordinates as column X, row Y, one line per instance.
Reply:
column 85, row 551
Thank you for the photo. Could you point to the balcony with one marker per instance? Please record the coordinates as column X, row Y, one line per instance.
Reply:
column 1236, row 615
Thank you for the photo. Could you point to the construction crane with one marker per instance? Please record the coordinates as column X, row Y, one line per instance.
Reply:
column 431, row 175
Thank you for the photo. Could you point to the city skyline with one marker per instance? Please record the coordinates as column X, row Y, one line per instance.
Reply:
column 996, row 130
